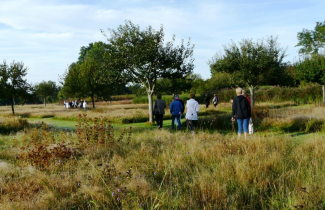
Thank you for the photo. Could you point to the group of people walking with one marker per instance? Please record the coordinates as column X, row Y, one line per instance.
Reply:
column 75, row 104
column 177, row 108
column 241, row 111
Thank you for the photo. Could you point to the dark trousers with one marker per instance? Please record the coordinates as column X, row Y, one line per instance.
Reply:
column 178, row 121
column 159, row 120
column 191, row 124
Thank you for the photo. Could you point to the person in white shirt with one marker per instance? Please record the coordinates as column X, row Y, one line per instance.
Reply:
column 84, row 105
column 192, row 107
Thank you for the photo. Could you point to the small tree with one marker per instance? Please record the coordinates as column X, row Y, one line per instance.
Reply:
column 13, row 84
column 141, row 56
column 45, row 90
column 252, row 63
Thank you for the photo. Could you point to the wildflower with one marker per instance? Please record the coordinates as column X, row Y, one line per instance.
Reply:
column 140, row 176
column 155, row 173
column 159, row 137
column 188, row 153
column 118, row 190
column 118, row 199
column 140, row 204
column 79, row 184
column 171, row 192
column 116, row 178
column 156, row 164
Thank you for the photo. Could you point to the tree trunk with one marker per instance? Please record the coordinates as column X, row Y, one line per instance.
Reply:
column 323, row 87
column 150, row 106
column 93, row 101
column 44, row 101
column 13, row 105
column 251, row 90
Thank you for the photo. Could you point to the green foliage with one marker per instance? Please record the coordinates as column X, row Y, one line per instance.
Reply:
column 300, row 95
column 92, row 75
column 143, row 56
column 12, row 82
column 254, row 63
column 311, row 69
column 312, row 41
column 168, row 99
column 45, row 90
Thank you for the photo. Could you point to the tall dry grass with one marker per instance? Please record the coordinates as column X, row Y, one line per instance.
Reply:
column 126, row 169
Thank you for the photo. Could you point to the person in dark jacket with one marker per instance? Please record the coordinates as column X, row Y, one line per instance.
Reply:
column 182, row 111
column 207, row 100
column 159, row 110
column 176, row 108
column 241, row 110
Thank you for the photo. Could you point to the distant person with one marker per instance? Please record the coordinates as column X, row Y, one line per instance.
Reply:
column 70, row 104
column 85, row 105
column 192, row 107
column 244, row 94
column 215, row 100
column 66, row 104
column 80, row 104
column 182, row 111
column 176, row 108
column 159, row 110
column 241, row 110
column 207, row 100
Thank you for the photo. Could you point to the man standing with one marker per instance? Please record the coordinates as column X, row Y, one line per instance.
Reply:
column 207, row 100
column 176, row 108
column 159, row 110
column 182, row 111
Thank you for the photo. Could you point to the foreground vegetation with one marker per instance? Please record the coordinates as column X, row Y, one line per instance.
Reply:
column 97, row 166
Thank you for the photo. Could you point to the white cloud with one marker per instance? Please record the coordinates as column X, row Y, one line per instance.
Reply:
column 47, row 35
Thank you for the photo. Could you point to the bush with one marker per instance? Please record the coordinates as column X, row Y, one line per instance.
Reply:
column 13, row 124
column 299, row 95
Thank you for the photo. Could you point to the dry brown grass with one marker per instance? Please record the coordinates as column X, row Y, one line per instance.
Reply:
column 170, row 170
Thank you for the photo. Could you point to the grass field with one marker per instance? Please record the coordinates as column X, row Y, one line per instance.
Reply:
column 90, row 160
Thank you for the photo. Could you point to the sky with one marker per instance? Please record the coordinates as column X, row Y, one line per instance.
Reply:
column 47, row 35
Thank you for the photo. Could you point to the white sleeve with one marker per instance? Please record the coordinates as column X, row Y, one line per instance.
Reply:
column 197, row 107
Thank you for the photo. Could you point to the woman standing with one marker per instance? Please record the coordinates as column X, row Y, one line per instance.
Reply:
column 241, row 110
column 192, row 107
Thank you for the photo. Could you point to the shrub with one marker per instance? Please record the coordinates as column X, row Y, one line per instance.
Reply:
column 13, row 124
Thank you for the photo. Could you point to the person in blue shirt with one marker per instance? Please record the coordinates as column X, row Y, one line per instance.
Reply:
column 176, row 108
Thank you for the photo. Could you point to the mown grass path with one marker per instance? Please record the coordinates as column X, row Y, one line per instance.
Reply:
column 62, row 124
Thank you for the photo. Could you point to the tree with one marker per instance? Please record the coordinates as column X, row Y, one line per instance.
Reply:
column 45, row 90
column 141, row 56
column 13, row 84
column 312, row 69
column 252, row 63
column 312, row 41
column 92, row 75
